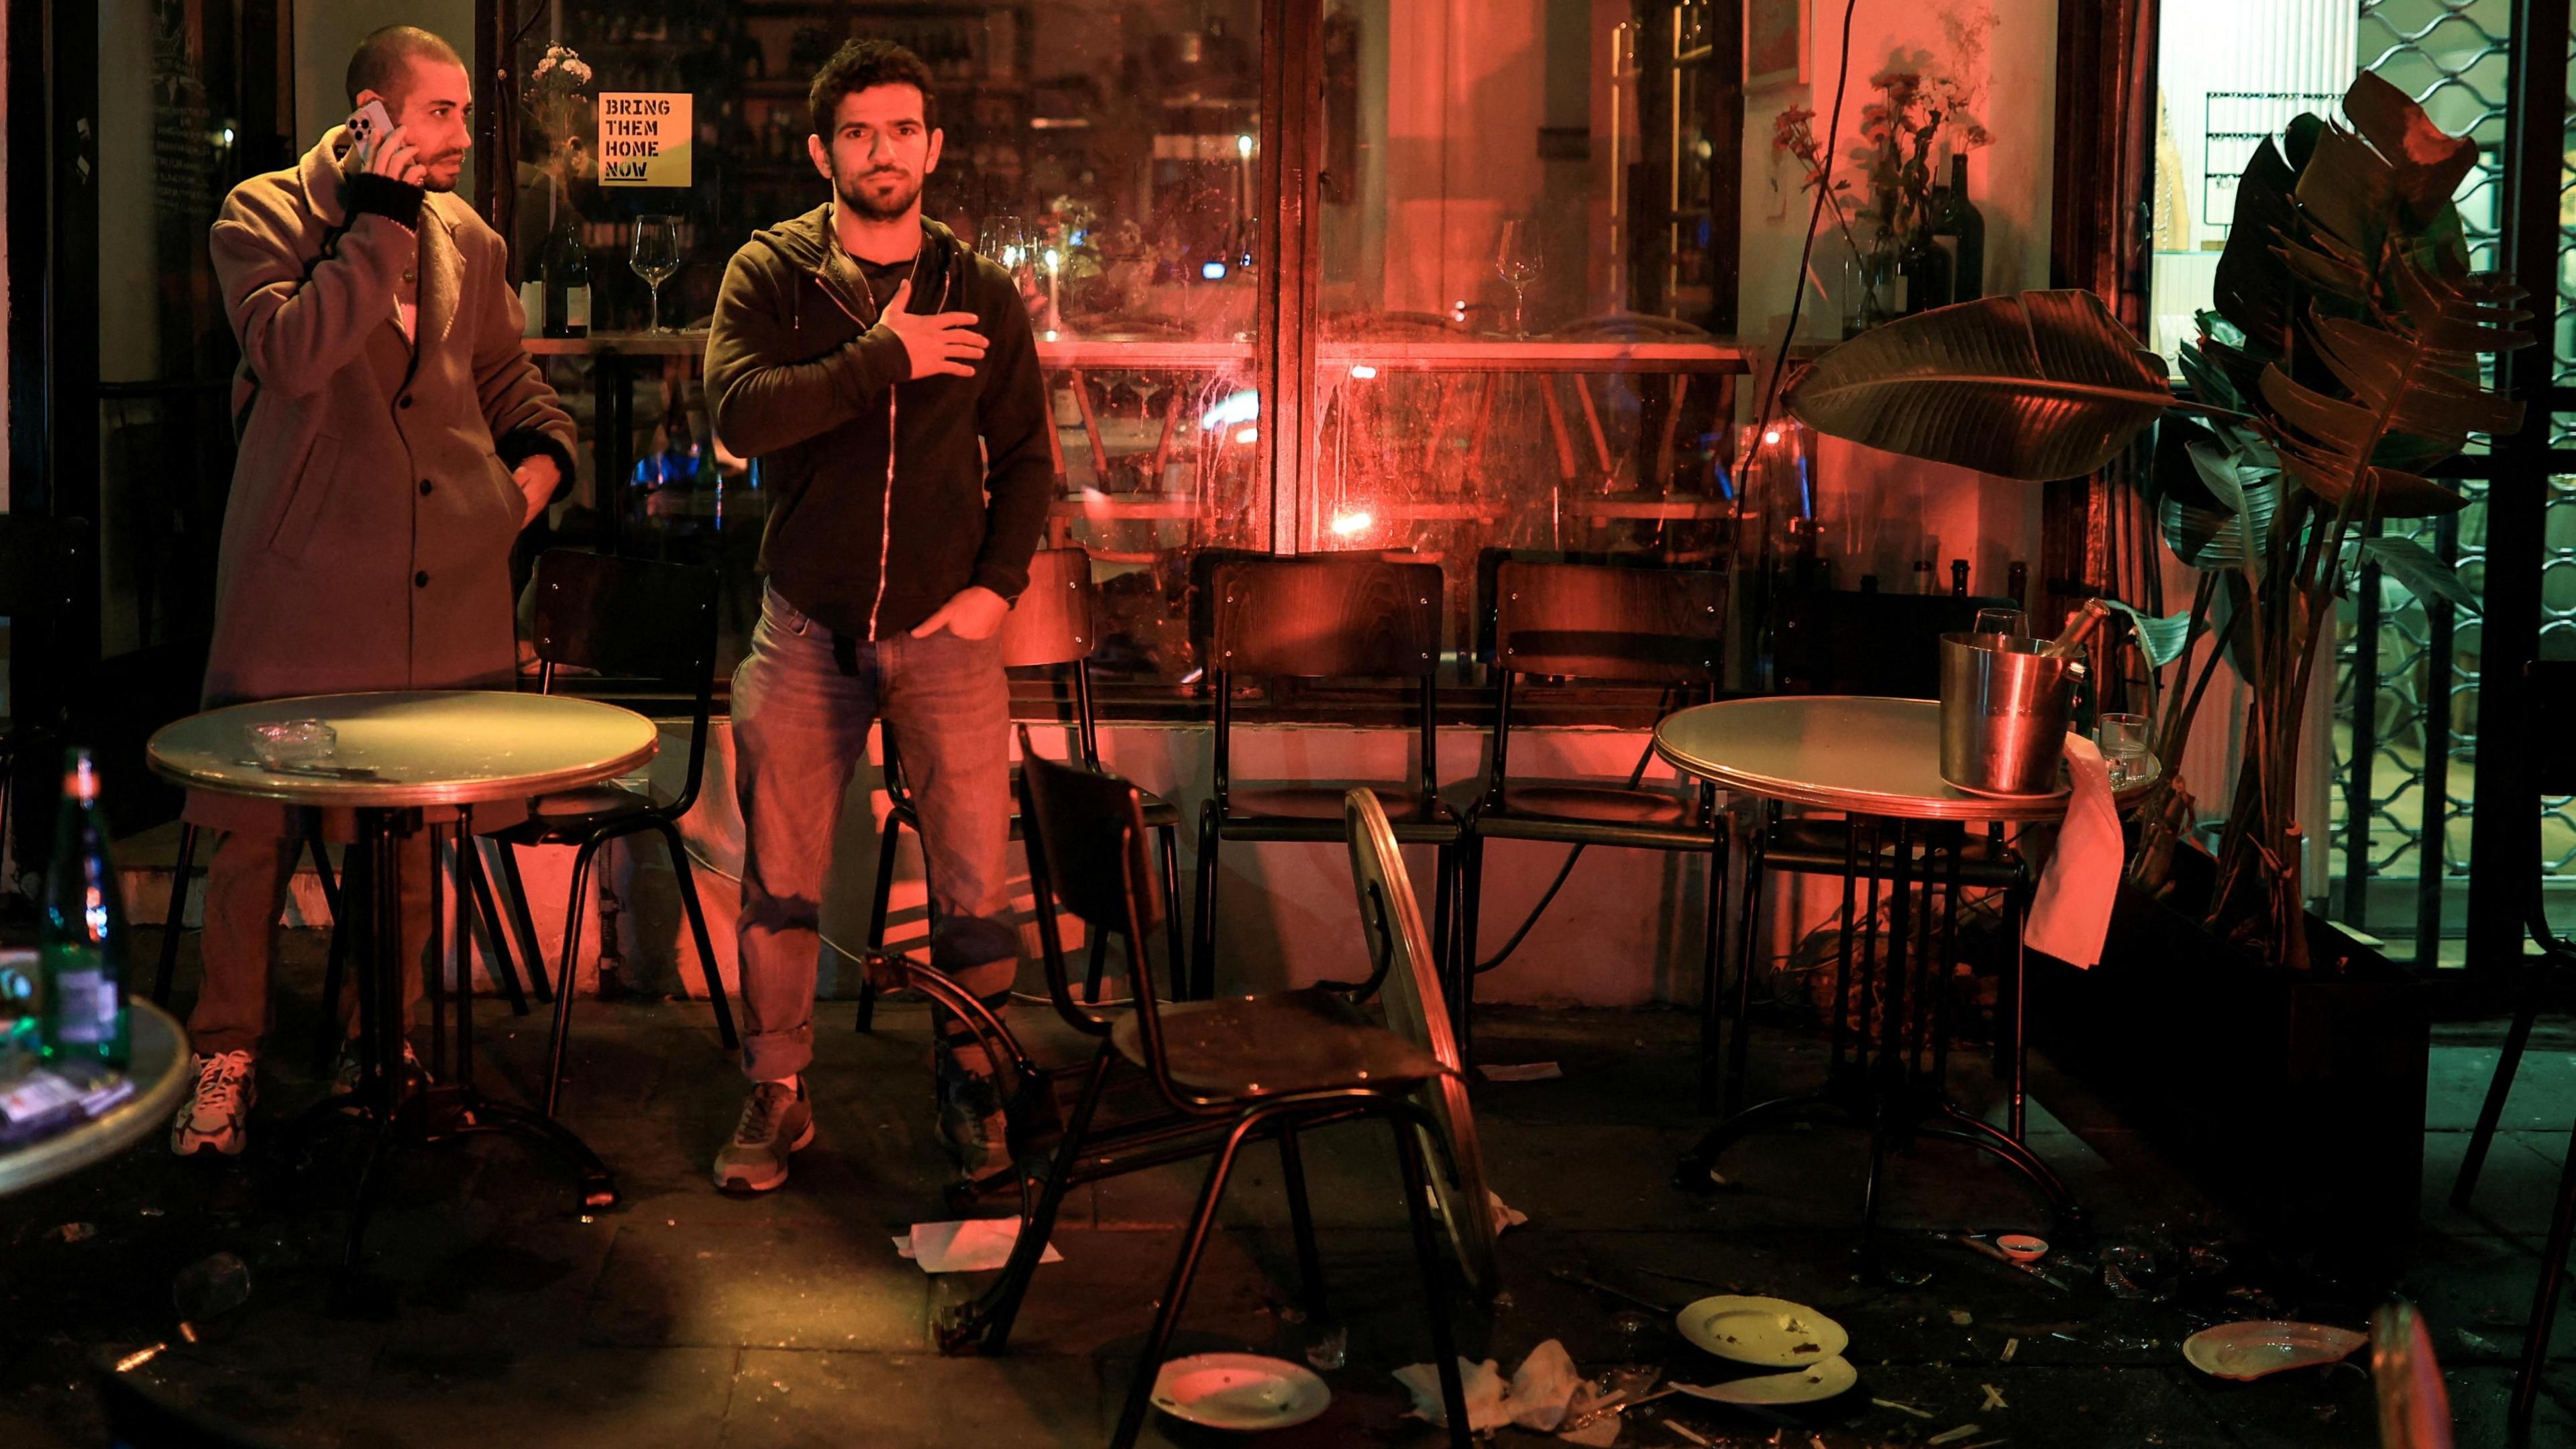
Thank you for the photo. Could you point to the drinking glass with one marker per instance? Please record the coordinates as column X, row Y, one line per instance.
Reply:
column 2124, row 742
column 2010, row 622
column 1518, row 261
column 655, row 256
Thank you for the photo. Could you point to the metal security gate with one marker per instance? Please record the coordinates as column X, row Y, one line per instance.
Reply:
column 2407, row 682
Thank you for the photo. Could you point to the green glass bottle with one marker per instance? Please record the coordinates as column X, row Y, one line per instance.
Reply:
column 81, row 948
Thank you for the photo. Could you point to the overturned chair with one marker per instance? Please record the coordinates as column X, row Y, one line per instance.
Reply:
column 1217, row 1074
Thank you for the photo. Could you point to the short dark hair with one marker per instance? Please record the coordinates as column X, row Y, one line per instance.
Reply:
column 385, row 56
column 862, row 64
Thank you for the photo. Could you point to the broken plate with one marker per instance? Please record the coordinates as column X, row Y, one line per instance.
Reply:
column 1769, row 1332
column 2252, row 1349
column 1239, row 1391
column 1799, row 1386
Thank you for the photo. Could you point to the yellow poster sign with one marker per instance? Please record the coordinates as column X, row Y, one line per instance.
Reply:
column 644, row 138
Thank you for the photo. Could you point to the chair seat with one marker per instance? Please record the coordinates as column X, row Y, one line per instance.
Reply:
column 1606, row 804
column 1312, row 1040
column 1413, row 816
column 571, row 814
column 1160, row 814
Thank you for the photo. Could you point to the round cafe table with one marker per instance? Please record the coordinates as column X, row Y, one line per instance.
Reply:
column 156, row 1062
column 1878, row 763
column 399, row 755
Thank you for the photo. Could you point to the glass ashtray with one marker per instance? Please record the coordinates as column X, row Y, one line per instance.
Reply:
column 291, row 743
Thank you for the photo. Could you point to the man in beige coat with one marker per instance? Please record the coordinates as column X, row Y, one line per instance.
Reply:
column 394, row 439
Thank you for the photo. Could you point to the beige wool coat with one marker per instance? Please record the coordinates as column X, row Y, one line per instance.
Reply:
column 366, row 544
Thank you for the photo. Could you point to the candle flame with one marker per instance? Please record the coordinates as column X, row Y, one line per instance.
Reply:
column 1351, row 523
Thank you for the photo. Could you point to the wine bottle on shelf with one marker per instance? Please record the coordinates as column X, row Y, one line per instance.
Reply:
column 2017, row 583
column 1961, row 229
column 1923, row 576
column 81, row 941
column 1958, row 578
column 567, row 274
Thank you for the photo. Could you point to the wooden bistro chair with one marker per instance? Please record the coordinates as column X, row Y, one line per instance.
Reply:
column 1606, row 623
column 630, row 617
column 1051, row 627
column 1221, row 1073
column 1322, row 616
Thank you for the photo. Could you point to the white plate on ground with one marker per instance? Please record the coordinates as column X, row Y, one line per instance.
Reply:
column 2258, row 1347
column 1239, row 1391
column 1768, row 1332
column 1798, row 1386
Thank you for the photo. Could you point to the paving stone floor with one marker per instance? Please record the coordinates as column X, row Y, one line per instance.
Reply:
column 689, row 1318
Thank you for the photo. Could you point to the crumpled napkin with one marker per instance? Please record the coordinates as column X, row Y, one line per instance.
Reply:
column 1537, row 1396
column 2070, row 913
column 975, row 1245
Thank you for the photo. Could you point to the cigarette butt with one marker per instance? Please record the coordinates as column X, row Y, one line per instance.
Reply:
column 1687, row 1432
column 1903, row 1408
column 1953, row 1436
column 2011, row 1346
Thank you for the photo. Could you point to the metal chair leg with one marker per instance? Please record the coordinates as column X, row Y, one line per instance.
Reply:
column 1435, row 1286
column 562, row 1032
column 877, row 915
column 1158, row 1339
column 1176, row 956
column 1748, row 947
column 2544, row 1305
column 176, row 914
column 2535, row 986
column 1712, row 1000
column 1203, row 948
column 529, row 950
column 698, row 932
column 1301, row 1223
column 357, row 890
column 469, row 864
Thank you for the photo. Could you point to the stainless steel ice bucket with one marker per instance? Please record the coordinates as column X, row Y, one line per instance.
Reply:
column 2004, row 709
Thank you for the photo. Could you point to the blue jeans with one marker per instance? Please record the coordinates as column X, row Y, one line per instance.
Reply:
column 800, row 726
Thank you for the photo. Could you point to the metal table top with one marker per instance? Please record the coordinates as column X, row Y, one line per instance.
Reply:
column 158, row 1065
column 436, row 747
column 1855, row 753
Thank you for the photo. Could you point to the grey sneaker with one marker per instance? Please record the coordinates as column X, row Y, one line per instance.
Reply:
column 776, row 1121
column 216, row 1116
column 345, row 1072
column 971, row 1120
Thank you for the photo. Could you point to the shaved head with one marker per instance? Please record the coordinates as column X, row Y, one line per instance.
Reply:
column 383, row 62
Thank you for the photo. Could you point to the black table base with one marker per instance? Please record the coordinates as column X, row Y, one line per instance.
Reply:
column 1890, row 1082
column 396, row 1105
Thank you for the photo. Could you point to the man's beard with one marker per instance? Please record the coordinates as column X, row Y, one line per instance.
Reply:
column 854, row 196
column 430, row 180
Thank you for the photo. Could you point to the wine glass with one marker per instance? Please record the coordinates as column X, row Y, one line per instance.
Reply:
column 655, row 256
column 1518, row 261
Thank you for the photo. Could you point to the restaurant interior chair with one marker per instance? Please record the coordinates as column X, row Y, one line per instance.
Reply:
column 1321, row 617
column 1556, row 624
column 631, row 618
column 2549, row 712
column 42, row 561
column 1053, row 627
column 1218, row 1074
column 1863, row 642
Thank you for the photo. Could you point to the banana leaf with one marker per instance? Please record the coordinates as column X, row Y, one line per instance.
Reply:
column 2427, row 164
column 2041, row 386
column 2214, row 539
column 2161, row 640
column 2420, row 570
column 2253, row 285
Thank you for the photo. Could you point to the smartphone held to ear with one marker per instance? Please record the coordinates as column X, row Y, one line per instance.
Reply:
column 368, row 127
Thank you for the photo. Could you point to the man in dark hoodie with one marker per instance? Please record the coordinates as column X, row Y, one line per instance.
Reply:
column 888, row 381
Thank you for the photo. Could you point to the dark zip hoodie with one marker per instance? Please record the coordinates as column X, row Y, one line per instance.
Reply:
column 886, row 495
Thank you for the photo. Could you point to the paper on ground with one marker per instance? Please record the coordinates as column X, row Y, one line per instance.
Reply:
column 976, row 1245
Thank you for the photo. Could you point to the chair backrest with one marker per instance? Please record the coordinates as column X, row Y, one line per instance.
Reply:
column 627, row 615
column 2414, row 1404
column 1841, row 642
column 1406, row 977
column 1085, row 834
column 1607, row 622
column 2549, row 713
column 1052, row 622
column 633, row 616
column 1319, row 616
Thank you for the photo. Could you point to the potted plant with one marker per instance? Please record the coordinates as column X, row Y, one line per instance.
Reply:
column 2339, row 364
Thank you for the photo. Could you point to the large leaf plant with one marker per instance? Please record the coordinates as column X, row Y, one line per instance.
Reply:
column 2338, row 366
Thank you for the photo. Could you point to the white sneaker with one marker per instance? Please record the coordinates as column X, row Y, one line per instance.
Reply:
column 216, row 1116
